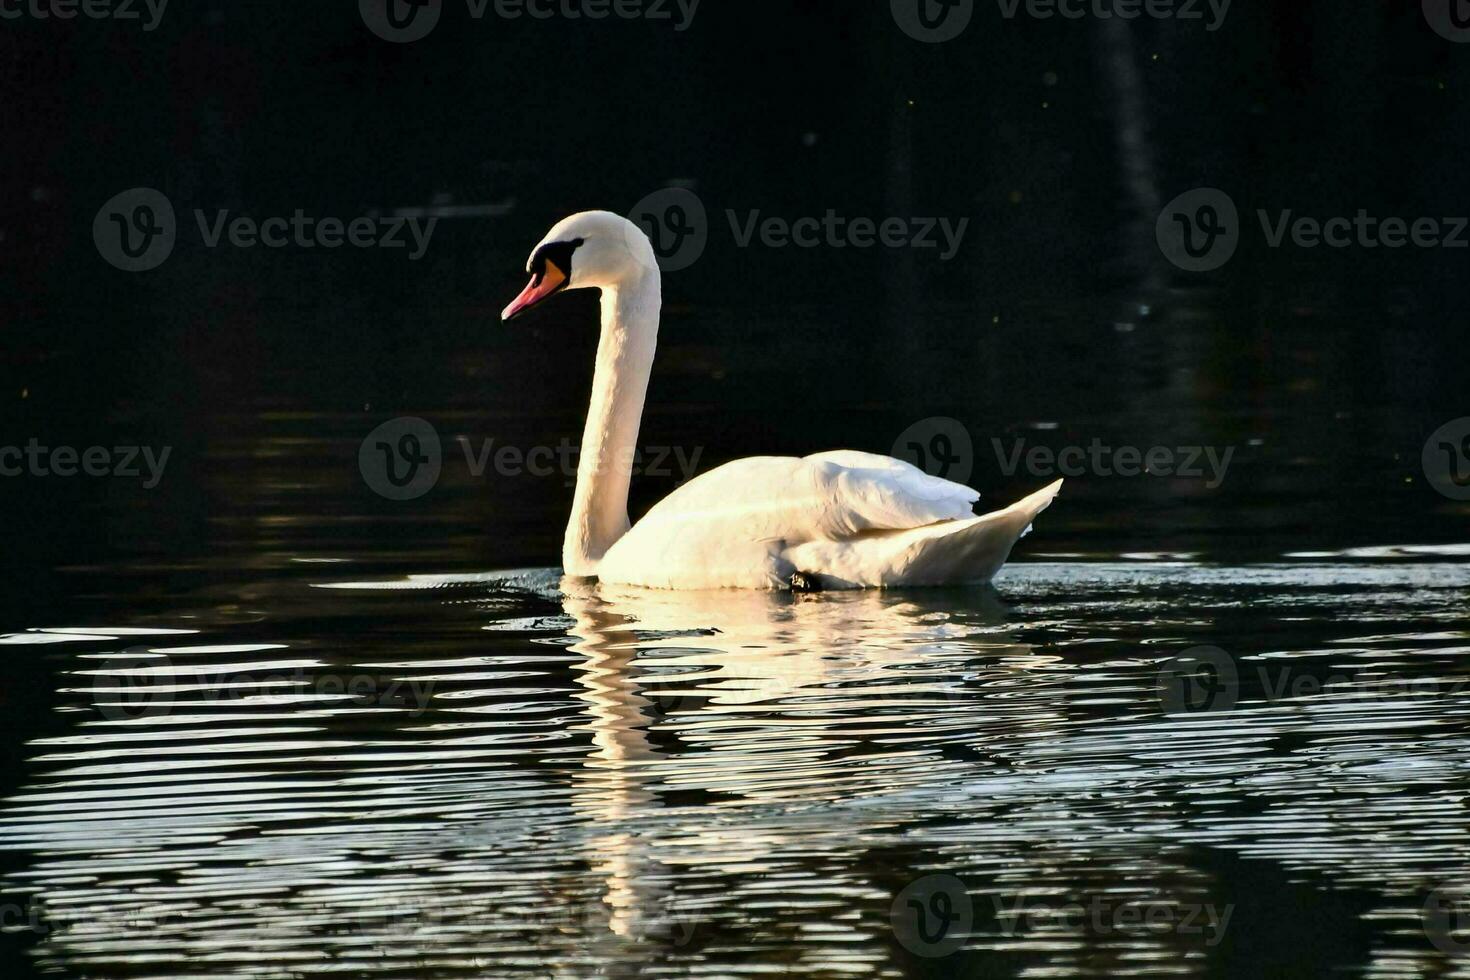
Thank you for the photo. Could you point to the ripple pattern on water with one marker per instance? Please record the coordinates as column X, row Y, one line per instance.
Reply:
column 508, row 775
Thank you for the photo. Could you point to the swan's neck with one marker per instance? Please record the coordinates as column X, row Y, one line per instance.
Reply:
column 624, row 361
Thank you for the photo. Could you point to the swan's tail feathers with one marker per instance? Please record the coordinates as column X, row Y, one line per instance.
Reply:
column 1023, row 512
column 961, row 552
column 972, row 551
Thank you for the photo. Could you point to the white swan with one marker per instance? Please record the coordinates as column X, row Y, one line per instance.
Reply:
column 835, row 520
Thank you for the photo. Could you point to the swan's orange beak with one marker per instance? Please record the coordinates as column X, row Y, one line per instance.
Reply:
column 541, row 286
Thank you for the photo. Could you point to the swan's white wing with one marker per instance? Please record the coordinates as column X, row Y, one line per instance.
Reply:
column 732, row 526
column 948, row 553
column 882, row 493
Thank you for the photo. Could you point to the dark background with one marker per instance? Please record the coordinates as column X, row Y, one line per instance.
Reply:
column 1059, row 139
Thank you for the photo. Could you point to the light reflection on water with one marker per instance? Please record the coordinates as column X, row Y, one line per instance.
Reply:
column 508, row 774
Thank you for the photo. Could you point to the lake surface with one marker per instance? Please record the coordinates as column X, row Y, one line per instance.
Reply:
column 268, row 723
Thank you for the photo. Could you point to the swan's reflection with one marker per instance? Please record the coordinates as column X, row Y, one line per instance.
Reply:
column 819, row 672
column 825, row 675
column 610, row 788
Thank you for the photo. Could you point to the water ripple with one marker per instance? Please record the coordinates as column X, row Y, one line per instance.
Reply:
column 505, row 775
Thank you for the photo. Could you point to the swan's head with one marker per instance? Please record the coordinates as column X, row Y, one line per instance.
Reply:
column 591, row 250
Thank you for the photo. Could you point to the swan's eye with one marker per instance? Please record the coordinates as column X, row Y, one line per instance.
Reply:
column 558, row 256
column 551, row 272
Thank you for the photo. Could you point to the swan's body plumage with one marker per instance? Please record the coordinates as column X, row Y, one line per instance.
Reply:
column 850, row 519
column 842, row 519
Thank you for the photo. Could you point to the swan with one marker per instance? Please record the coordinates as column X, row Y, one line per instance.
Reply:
column 834, row 520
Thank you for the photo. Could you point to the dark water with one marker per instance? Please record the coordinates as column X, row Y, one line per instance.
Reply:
column 275, row 725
